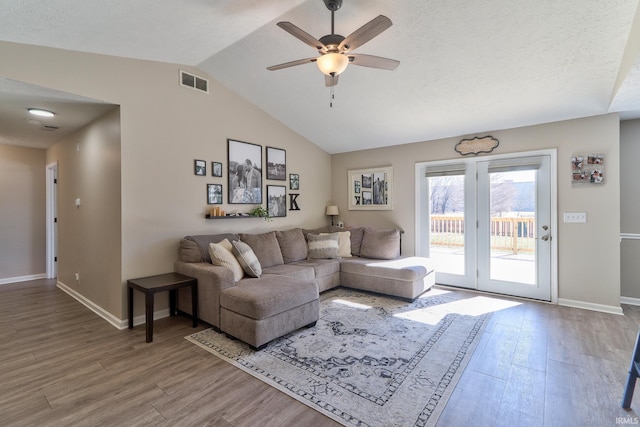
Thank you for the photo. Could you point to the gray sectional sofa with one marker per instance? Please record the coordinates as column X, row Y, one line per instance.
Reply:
column 282, row 273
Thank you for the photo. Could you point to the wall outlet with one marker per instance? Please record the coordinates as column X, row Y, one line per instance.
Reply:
column 77, row 277
column 580, row 217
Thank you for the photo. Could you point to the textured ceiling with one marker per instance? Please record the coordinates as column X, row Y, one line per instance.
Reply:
column 465, row 67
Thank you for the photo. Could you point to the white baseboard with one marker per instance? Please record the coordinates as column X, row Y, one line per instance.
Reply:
column 113, row 320
column 629, row 301
column 590, row 306
column 22, row 278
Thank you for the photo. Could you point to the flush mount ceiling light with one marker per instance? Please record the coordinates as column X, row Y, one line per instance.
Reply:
column 40, row 112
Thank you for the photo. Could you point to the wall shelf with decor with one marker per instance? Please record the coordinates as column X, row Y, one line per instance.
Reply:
column 207, row 216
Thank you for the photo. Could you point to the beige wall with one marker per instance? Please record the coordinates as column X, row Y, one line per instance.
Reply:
column 164, row 127
column 589, row 254
column 89, row 235
column 630, row 208
column 22, row 213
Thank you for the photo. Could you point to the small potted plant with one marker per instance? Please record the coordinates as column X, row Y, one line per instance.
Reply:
column 260, row 211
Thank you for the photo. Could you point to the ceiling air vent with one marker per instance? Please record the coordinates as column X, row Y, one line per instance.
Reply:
column 194, row 82
column 49, row 127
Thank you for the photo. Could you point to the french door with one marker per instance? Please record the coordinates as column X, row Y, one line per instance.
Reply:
column 487, row 223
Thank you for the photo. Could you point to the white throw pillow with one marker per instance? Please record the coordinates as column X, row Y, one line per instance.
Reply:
column 247, row 258
column 221, row 255
column 344, row 243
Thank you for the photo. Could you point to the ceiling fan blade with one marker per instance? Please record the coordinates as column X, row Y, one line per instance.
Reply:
column 373, row 61
column 331, row 80
column 302, row 35
column 365, row 33
column 291, row 64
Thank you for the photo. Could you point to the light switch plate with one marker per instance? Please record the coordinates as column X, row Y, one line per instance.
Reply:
column 578, row 217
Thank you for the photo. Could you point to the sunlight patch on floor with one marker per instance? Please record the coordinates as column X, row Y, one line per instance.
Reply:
column 352, row 304
column 475, row 306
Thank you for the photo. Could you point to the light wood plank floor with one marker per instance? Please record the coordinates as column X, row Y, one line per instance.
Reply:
column 536, row 365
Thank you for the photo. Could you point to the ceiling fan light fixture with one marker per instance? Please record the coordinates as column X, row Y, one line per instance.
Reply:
column 40, row 112
column 332, row 64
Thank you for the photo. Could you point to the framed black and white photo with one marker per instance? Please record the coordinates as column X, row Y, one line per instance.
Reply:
column 216, row 169
column 245, row 172
column 200, row 167
column 371, row 189
column 294, row 181
column 276, row 200
column 214, row 194
column 276, row 164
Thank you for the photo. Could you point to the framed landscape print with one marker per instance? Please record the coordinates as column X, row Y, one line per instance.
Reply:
column 245, row 172
column 276, row 200
column 371, row 189
column 276, row 164
column 214, row 194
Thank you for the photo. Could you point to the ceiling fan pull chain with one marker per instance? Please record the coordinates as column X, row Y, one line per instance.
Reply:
column 331, row 96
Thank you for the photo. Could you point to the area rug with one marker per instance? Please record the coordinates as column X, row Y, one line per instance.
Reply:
column 370, row 360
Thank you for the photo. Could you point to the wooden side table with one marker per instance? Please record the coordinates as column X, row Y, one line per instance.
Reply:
column 150, row 285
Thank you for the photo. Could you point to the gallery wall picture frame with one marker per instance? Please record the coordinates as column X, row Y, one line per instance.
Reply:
column 216, row 169
column 244, row 165
column 214, row 194
column 277, row 200
column 587, row 169
column 276, row 164
column 371, row 189
column 200, row 167
column 294, row 181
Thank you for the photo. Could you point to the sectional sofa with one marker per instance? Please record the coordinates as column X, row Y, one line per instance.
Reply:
column 258, row 287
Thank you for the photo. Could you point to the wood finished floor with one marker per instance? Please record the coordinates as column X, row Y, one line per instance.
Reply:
column 60, row 364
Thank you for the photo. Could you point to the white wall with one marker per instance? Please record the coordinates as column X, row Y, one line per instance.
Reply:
column 589, row 254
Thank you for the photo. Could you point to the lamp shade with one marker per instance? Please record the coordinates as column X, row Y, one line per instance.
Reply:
column 332, row 210
column 332, row 63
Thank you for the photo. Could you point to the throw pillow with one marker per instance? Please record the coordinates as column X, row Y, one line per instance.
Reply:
column 265, row 246
column 247, row 259
column 384, row 244
column 221, row 255
column 344, row 243
column 323, row 246
column 292, row 244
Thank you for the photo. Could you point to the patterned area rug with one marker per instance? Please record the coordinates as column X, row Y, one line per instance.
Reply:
column 370, row 360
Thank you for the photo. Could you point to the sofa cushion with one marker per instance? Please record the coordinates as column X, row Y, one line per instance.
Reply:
column 267, row 296
column 295, row 271
column 344, row 243
column 320, row 267
column 222, row 255
column 265, row 246
column 189, row 253
column 247, row 258
column 383, row 244
column 402, row 268
column 323, row 245
column 293, row 245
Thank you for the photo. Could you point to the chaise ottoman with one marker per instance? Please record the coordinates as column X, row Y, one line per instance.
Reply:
column 257, row 311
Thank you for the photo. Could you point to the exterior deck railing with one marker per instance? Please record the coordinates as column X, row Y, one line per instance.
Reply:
column 512, row 234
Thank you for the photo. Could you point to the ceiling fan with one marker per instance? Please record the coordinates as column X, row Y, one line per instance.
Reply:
column 335, row 50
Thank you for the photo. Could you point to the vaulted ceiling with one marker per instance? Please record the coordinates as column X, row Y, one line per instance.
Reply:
column 465, row 66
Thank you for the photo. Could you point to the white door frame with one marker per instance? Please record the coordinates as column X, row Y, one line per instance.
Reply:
column 51, row 218
column 422, row 204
